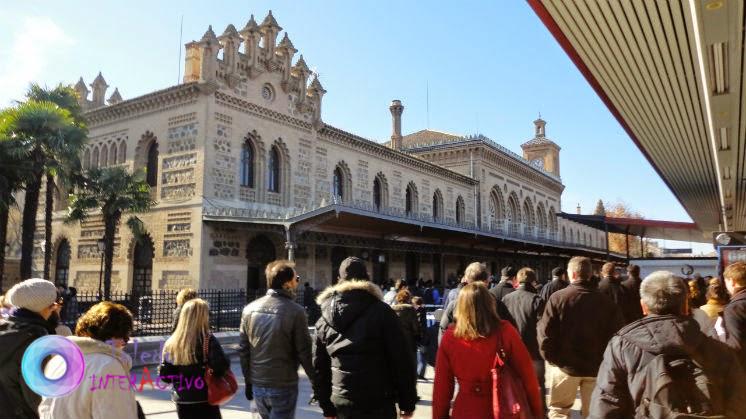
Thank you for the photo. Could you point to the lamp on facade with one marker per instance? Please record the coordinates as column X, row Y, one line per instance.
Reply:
column 364, row 255
column 381, row 258
column 101, row 247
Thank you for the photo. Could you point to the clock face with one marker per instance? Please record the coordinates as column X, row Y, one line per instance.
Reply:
column 538, row 163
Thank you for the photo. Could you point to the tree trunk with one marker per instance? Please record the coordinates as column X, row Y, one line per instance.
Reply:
column 4, row 213
column 48, row 207
column 30, row 206
column 110, row 225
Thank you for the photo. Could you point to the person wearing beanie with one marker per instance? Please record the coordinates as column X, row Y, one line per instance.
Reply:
column 558, row 282
column 506, row 285
column 362, row 369
column 34, row 301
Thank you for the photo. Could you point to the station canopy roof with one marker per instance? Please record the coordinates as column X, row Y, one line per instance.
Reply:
column 671, row 72
column 654, row 229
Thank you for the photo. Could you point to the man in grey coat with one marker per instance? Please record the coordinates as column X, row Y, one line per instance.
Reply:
column 274, row 340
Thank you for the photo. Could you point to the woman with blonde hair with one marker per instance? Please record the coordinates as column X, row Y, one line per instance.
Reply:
column 467, row 354
column 183, row 358
column 182, row 297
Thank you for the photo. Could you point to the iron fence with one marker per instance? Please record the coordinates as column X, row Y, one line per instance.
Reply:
column 153, row 312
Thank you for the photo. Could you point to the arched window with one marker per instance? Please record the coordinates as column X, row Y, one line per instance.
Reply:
column 86, row 159
column 564, row 234
column 62, row 267
column 273, row 166
column 94, row 158
column 411, row 199
column 247, row 165
column 460, row 208
column 122, row 152
column 113, row 154
column 497, row 209
column 142, row 266
column 104, row 156
column 151, row 175
column 513, row 214
column 528, row 216
column 437, row 205
column 338, row 186
column 577, row 237
column 377, row 193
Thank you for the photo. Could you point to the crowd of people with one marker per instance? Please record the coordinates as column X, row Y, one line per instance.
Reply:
column 657, row 347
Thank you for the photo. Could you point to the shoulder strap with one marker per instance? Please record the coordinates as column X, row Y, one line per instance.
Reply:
column 500, row 352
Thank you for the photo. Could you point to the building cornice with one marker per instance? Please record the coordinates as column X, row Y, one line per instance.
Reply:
column 335, row 134
column 514, row 164
column 156, row 101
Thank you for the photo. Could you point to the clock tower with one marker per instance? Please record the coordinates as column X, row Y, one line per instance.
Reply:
column 540, row 151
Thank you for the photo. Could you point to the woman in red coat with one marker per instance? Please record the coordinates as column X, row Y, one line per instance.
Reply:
column 467, row 353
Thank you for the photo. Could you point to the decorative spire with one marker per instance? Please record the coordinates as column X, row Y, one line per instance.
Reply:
column 99, row 87
column 316, row 86
column 270, row 22
column 286, row 44
column 98, row 81
column 230, row 32
column 115, row 97
column 540, row 125
column 82, row 90
column 209, row 36
column 251, row 26
column 301, row 65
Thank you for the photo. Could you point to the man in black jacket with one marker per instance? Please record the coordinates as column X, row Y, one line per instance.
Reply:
column 632, row 285
column 734, row 314
column 362, row 367
column 625, row 379
column 526, row 308
column 273, row 340
column 34, row 301
column 611, row 285
column 577, row 323
column 559, row 281
column 506, row 284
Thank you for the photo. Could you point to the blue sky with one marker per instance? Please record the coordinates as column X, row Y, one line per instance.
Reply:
column 491, row 67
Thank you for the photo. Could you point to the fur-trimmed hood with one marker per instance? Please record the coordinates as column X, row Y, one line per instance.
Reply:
column 343, row 303
column 346, row 286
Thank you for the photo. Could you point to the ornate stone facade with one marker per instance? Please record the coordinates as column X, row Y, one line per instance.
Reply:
column 246, row 170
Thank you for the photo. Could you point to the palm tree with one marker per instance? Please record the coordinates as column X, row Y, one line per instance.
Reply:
column 64, row 166
column 114, row 191
column 48, row 131
column 13, row 172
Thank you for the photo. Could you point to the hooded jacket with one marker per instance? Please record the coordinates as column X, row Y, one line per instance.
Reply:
column 17, row 332
column 620, row 384
column 102, row 393
column 358, row 355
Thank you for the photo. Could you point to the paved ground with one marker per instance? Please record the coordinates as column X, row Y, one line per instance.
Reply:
column 157, row 403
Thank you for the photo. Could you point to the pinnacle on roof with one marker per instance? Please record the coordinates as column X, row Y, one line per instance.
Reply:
column 285, row 43
column 230, row 32
column 115, row 97
column 301, row 64
column 99, row 80
column 316, row 85
column 80, row 85
column 209, row 36
column 251, row 26
column 270, row 22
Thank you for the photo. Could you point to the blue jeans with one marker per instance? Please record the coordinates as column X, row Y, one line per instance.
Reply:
column 421, row 362
column 275, row 402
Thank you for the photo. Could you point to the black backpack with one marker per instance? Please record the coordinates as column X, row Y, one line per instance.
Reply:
column 676, row 387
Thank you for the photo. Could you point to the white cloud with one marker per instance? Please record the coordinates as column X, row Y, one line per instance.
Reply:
column 33, row 46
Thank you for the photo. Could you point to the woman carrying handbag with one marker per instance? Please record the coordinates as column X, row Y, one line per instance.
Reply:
column 192, row 365
column 490, row 362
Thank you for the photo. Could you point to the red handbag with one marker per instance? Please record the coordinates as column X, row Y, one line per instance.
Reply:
column 220, row 390
column 509, row 399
